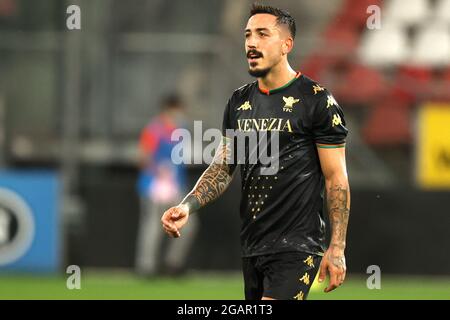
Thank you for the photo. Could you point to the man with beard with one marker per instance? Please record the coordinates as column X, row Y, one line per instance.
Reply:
column 283, row 228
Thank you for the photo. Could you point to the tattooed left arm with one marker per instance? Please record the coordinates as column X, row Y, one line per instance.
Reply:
column 334, row 169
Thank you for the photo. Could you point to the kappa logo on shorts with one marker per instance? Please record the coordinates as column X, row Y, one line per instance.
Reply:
column 309, row 261
column 299, row 296
column 305, row 279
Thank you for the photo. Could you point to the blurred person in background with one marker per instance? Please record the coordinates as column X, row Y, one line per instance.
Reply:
column 283, row 227
column 161, row 184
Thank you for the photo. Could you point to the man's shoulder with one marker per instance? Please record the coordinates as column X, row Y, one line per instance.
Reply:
column 243, row 92
column 311, row 88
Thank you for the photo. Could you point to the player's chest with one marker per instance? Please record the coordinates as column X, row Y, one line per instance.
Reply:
column 283, row 113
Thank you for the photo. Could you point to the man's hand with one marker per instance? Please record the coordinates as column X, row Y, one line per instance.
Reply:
column 211, row 184
column 333, row 262
column 174, row 219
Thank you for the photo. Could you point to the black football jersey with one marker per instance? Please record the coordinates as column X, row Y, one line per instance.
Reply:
column 283, row 211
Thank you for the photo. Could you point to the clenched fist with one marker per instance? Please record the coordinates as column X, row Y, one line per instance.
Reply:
column 174, row 219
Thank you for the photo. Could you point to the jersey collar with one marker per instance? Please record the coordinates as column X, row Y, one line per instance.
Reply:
column 269, row 92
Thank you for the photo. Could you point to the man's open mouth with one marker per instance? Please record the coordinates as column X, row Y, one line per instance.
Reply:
column 253, row 60
column 252, row 56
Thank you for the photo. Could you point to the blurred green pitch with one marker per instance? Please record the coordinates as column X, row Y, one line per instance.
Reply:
column 211, row 286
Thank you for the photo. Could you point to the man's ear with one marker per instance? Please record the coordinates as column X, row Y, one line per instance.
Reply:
column 288, row 44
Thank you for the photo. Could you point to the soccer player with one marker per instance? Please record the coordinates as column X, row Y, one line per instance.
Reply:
column 283, row 229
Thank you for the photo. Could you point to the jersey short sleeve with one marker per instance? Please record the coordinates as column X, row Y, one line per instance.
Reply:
column 328, row 121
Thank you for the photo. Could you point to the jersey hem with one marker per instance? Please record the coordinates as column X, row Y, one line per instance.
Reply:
column 281, row 251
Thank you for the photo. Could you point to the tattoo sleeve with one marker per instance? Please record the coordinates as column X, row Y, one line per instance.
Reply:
column 338, row 202
column 214, row 180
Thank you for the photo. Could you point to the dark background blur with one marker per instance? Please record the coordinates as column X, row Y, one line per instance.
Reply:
column 74, row 102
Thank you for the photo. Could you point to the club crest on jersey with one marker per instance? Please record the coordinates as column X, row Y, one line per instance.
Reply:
column 317, row 88
column 289, row 103
column 245, row 106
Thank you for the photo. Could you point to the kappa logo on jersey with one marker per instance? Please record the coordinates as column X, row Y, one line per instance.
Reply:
column 289, row 103
column 336, row 120
column 245, row 106
column 331, row 101
column 317, row 88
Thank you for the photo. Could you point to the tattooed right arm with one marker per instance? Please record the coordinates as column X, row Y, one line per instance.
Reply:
column 213, row 182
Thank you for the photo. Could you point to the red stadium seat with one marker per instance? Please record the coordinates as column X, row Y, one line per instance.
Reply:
column 341, row 42
column 388, row 125
column 440, row 88
column 354, row 12
column 343, row 21
column 447, row 75
column 316, row 63
column 446, row 86
column 361, row 85
column 360, row 4
column 412, row 82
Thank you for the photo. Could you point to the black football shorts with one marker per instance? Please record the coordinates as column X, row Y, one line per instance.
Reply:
column 281, row 276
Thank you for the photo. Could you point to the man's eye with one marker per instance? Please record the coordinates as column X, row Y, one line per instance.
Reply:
column 263, row 34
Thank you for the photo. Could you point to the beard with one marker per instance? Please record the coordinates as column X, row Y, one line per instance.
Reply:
column 258, row 73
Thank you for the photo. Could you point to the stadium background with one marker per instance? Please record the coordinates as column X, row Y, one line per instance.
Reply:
column 72, row 104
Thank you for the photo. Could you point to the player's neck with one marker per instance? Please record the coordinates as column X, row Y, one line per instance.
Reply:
column 277, row 77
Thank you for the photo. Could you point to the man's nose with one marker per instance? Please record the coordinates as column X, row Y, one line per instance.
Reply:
column 251, row 43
